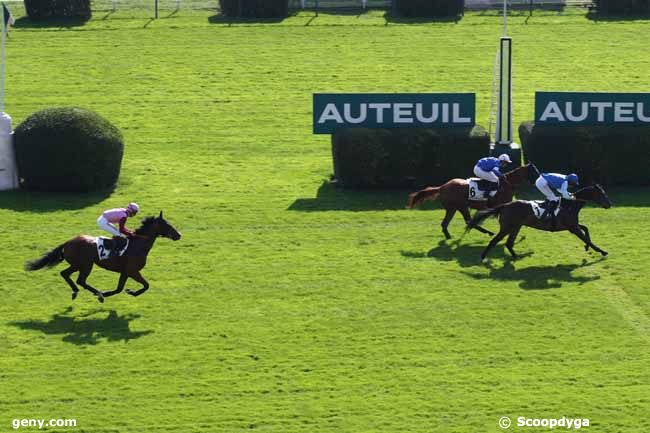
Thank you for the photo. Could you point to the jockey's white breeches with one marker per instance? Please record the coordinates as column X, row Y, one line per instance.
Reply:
column 103, row 224
column 486, row 175
column 544, row 188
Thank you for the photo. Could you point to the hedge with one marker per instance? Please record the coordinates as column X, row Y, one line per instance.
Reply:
column 67, row 149
column 623, row 7
column 610, row 155
column 48, row 9
column 394, row 158
column 254, row 8
column 429, row 8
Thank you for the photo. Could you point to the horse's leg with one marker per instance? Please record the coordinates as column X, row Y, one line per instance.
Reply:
column 495, row 240
column 66, row 276
column 137, row 276
column 578, row 232
column 81, row 280
column 120, row 286
column 586, row 230
column 510, row 243
column 465, row 212
column 450, row 212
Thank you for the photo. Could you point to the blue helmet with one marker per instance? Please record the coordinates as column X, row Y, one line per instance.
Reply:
column 572, row 178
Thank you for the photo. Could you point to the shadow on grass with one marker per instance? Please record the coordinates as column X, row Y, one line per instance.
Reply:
column 86, row 330
column 222, row 19
column 537, row 277
column 30, row 201
column 26, row 23
column 331, row 198
column 466, row 255
column 595, row 16
column 392, row 18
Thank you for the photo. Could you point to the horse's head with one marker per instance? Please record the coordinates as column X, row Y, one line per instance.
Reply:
column 158, row 226
column 594, row 193
column 519, row 175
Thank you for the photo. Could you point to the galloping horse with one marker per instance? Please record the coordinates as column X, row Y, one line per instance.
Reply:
column 514, row 215
column 454, row 196
column 81, row 254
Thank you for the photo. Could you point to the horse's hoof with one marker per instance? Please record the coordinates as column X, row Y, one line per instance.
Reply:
column 605, row 253
column 129, row 292
column 586, row 247
column 74, row 295
column 100, row 298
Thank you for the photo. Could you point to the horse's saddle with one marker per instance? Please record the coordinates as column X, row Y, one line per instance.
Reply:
column 539, row 208
column 111, row 247
column 480, row 189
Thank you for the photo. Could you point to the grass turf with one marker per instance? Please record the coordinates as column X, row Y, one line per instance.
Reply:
column 289, row 306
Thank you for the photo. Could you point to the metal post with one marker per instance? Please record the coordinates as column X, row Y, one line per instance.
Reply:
column 505, row 18
column 2, row 68
column 316, row 7
column 155, row 5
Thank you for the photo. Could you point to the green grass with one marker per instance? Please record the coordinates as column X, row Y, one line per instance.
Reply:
column 289, row 306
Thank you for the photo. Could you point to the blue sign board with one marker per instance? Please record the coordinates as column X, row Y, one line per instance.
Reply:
column 333, row 111
column 571, row 108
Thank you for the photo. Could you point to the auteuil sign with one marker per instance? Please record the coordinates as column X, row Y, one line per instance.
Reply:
column 570, row 108
column 333, row 111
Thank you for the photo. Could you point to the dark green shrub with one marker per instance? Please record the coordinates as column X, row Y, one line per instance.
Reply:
column 623, row 7
column 393, row 158
column 49, row 9
column 610, row 155
column 254, row 8
column 429, row 8
column 68, row 149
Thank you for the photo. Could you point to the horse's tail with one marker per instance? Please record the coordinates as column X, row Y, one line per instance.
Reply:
column 416, row 198
column 482, row 215
column 48, row 260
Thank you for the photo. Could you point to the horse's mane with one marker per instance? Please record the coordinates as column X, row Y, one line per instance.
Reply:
column 146, row 223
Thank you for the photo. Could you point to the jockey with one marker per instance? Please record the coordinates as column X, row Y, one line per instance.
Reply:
column 109, row 218
column 550, row 183
column 490, row 169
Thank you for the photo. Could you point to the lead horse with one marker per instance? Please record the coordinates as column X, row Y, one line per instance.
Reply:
column 81, row 254
column 455, row 196
column 516, row 214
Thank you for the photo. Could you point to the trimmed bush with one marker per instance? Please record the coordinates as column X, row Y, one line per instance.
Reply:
column 429, row 8
column 610, row 155
column 68, row 149
column 254, row 8
column 394, row 158
column 623, row 7
column 52, row 9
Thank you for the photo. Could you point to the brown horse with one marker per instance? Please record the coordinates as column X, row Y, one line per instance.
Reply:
column 454, row 196
column 81, row 254
column 514, row 215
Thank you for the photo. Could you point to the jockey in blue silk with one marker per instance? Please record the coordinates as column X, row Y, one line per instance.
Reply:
column 490, row 169
column 551, row 183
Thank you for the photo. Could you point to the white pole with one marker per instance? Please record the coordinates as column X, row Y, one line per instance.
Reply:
column 505, row 19
column 2, row 68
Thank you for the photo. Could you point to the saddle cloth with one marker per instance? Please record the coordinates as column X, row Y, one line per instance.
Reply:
column 477, row 193
column 104, row 250
column 539, row 210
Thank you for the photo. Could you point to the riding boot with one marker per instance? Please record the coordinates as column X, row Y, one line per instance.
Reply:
column 116, row 246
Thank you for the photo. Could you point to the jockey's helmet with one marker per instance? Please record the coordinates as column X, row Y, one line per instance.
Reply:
column 572, row 178
column 133, row 208
column 505, row 158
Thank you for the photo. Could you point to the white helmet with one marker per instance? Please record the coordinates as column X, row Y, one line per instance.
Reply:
column 133, row 207
column 505, row 158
